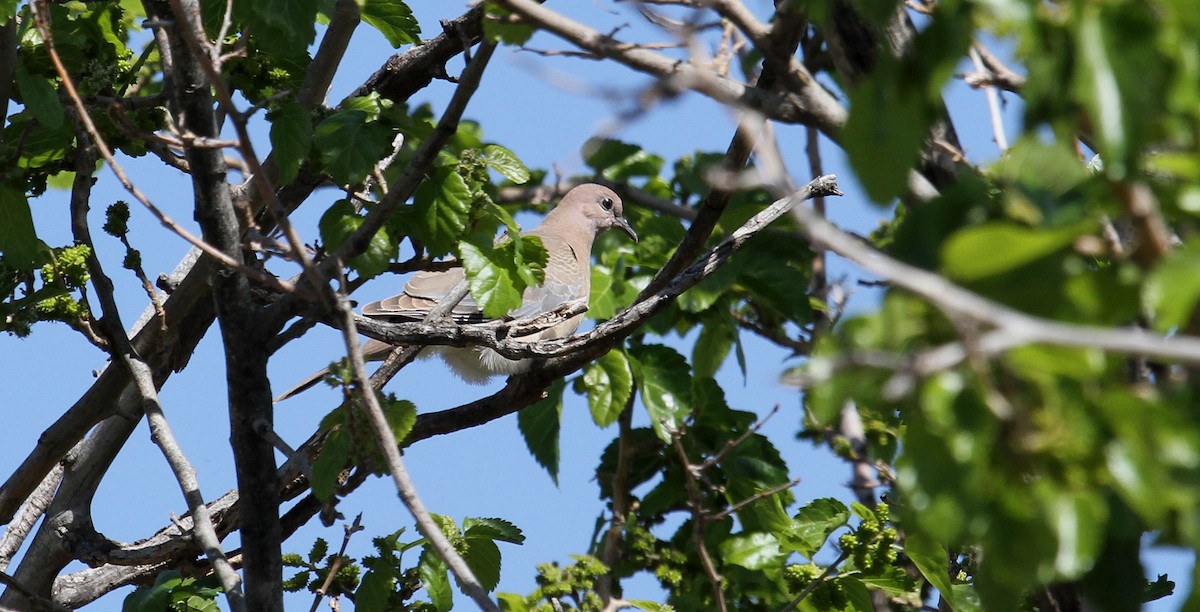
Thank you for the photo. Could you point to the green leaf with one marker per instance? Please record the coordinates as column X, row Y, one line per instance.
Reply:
column 18, row 242
column 492, row 529
column 349, row 145
column 284, row 27
column 511, row 602
column 1173, row 287
column 401, row 416
column 993, row 248
column 506, row 163
column 813, row 524
column 539, row 425
column 498, row 28
column 713, row 344
column 609, row 384
column 40, row 97
column 483, row 557
column 320, row 548
column 337, row 225
column 932, row 560
column 434, row 578
column 665, row 383
column 291, row 139
column 883, row 134
column 753, row 551
column 376, row 587
column 7, row 9
column 394, row 20
column 492, row 277
column 651, row 606
column 443, row 207
column 619, row 161
column 1100, row 91
column 893, row 581
column 330, row 462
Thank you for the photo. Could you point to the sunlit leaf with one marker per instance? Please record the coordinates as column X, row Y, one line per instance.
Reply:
column 664, row 380
column 394, row 20
column 753, row 551
column 608, row 382
column 992, row 248
column 814, row 523
column 506, row 163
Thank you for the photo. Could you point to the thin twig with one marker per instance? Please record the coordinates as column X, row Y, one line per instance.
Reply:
column 106, row 153
column 338, row 561
column 193, row 34
column 696, row 506
column 993, row 102
column 391, row 451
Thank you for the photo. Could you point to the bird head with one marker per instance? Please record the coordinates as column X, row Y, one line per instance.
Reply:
column 596, row 207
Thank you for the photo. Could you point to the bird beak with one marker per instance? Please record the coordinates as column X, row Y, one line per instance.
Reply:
column 622, row 223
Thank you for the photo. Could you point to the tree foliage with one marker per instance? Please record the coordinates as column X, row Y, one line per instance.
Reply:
column 1014, row 404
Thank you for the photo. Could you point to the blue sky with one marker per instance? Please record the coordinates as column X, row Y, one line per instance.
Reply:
column 485, row 471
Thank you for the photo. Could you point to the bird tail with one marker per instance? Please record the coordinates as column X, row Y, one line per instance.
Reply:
column 372, row 350
column 304, row 385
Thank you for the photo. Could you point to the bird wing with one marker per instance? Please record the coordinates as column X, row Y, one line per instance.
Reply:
column 421, row 294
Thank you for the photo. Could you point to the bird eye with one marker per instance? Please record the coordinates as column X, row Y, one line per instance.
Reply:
column 606, row 203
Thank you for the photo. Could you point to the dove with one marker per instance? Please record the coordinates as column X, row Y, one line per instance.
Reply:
column 567, row 233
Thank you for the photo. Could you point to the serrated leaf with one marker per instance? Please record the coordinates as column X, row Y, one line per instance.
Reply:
column 401, row 416
column 813, row 524
column 506, row 163
column 394, row 20
column 18, row 241
column 328, row 466
column 539, row 425
column 666, row 386
column 992, row 248
column 443, row 207
column 492, row 529
column 350, row 145
column 434, row 578
column 40, row 98
column 320, row 548
column 339, row 222
column 753, row 551
column 609, row 383
column 291, row 139
column 483, row 557
column 492, row 278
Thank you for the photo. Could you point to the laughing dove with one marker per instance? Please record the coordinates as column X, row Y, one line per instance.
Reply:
column 567, row 232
